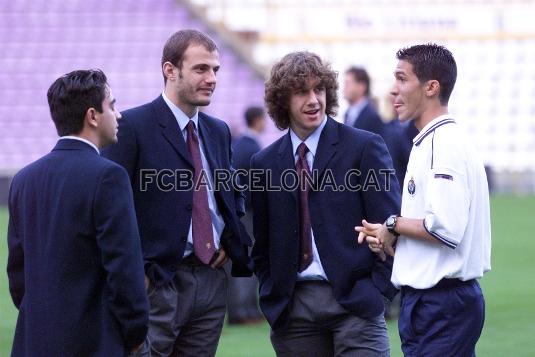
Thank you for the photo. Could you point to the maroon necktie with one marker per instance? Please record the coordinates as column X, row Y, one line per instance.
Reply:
column 201, row 221
column 305, row 253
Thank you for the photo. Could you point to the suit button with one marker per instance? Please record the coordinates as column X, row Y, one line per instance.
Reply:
column 295, row 231
column 184, row 239
column 188, row 207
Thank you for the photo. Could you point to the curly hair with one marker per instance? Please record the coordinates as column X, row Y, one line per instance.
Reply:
column 290, row 75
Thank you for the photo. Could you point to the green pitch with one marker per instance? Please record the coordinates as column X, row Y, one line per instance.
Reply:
column 509, row 292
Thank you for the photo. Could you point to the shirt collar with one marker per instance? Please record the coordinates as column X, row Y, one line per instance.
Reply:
column 180, row 116
column 81, row 139
column 311, row 142
column 431, row 126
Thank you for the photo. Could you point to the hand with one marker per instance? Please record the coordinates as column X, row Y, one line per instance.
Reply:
column 382, row 237
column 373, row 243
column 220, row 259
column 147, row 282
column 137, row 349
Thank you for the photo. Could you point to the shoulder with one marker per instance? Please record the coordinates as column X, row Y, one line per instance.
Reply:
column 356, row 137
column 214, row 122
column 139, row 112
column 450, row 146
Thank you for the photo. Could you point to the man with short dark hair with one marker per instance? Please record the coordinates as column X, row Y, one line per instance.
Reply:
column 320, row 292
column 75, row 268
column 361, row 113
column 442, row 237
column 188, row 226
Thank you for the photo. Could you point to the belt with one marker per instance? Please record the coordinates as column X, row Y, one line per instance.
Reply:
column 442, row 284
column 449, row 283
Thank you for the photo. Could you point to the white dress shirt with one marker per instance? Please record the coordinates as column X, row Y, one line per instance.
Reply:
column 315, row 270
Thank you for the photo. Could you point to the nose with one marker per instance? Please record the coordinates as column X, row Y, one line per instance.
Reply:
column 211, row 77
column 118, row 115
column 312, row 97
column 394, row 89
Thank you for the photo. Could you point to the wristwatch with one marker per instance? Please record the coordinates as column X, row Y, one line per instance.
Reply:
column 390, row 224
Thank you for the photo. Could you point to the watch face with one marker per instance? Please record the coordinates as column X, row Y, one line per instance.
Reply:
column 390, row 221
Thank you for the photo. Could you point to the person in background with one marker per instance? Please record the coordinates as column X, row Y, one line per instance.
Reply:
column 242, row 307
column 361, row 113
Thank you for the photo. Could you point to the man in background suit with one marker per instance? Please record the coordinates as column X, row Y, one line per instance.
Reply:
column 187, row 224
column 74, row 267
column 361, row 113
column 319, row 290
column 243, row 292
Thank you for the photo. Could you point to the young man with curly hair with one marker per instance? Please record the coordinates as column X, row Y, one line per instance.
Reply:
column 319, row 290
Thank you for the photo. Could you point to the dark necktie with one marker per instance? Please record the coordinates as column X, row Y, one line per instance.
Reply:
column 305, row 252
column 201, row 221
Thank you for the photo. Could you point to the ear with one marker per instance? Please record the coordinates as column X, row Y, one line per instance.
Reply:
column 90, row 119
column 169, row 71
column 432, row 88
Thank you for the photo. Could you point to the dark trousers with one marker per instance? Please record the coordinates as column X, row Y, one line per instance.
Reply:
column 319, row 326
column 445, row 320
column 186, row 315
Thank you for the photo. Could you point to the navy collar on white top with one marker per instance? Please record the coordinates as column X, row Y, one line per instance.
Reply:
column 432, row 126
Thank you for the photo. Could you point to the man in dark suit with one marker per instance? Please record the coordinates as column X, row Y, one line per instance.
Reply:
column 242, row 305
column 319, row 290
column 361, row 113
column 75, row 268
column 188, row 222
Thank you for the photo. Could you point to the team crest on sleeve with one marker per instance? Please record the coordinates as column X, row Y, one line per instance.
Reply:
column 411, row 186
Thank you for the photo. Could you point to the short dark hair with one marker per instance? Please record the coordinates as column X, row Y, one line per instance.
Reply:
column 178, row 43
column 290, row 75
column 431, row 61
column 252, row 114
column 71, row 95
column 360, row 75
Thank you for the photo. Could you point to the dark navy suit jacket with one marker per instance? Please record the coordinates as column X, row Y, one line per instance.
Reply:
column 357, row 276
column 75, row 267
column 150, row 141
column 369, row 120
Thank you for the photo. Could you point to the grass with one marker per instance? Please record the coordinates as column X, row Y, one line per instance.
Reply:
column 509, row 292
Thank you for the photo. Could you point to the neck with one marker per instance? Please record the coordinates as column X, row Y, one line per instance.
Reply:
column 429, row 115
column 91, row 138
column 187, row 109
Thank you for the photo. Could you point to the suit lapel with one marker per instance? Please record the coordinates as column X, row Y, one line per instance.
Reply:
column 170, row 129
column 286, row 159
column 326, row 146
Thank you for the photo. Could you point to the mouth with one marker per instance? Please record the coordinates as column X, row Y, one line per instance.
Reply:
column 312, row 111
column 208, row 91
column 397, row 106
